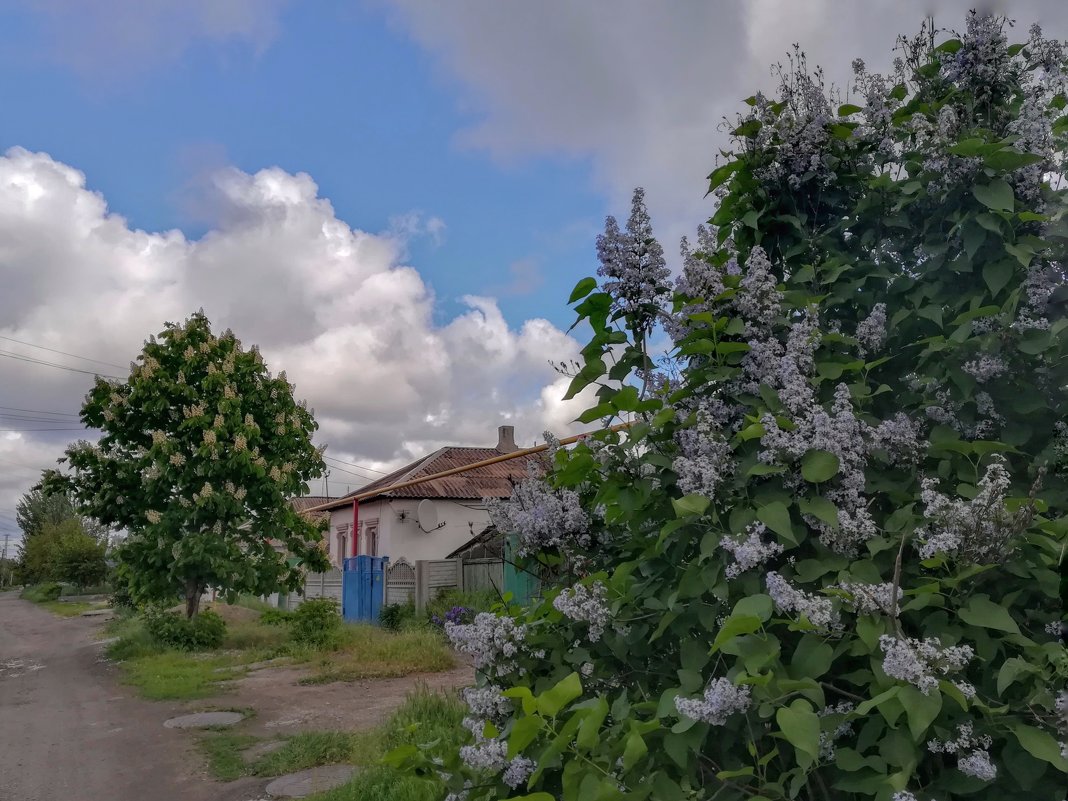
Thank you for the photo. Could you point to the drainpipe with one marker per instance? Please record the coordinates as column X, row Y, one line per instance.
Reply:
column 355, row 526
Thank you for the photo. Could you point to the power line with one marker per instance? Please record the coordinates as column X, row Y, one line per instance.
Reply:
column 39, row 411
column 353, row 464
column 31, row 360
column 64, row 353
column 23, row 430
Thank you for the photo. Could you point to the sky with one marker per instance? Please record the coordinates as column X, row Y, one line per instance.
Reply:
column 393, row 198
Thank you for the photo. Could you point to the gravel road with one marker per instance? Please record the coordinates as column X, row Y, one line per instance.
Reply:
column 70, row 731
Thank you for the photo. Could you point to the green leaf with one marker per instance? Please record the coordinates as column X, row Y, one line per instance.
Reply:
column 1040, row 745
column 733, row 627
column 818, row 466
column 532, row 797
column 634, row 750
column 801, row 728
column 996, row 195
column 920, row 709
column 847, row 109
column 590, row 727
column 820, row 508
column 720, row 175
column 867, row 706
column 812, row 658
column 776, row 516
column 997, row 275
column 1012, row 669
column 582, row 289
column 690, row 505
column 1007, row 160
column 758, row 605
column 524, row 732
column 566, row 690
column 983, row 612
column 525, row 696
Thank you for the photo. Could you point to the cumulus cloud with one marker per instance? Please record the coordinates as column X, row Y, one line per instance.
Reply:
column 335, row 307
column 642, row 89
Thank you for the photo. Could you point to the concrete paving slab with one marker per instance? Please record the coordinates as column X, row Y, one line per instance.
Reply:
column 306, row 782
column 204, row 720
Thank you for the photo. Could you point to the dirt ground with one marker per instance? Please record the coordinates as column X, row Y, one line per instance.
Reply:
column 70, row 730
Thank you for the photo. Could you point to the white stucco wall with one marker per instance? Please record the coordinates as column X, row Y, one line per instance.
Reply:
column 402, row 538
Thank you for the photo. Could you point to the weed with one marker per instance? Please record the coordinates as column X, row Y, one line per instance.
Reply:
column 316, row 623
column 371, row 652
column 41, row 593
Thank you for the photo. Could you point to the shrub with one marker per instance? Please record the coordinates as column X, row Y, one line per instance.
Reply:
column 201, row 632
column 827, row 559
column 316, row 623
column 395, row 616
column 458, row 606
column 276, row 617
column 79, row 560
column 42, row 593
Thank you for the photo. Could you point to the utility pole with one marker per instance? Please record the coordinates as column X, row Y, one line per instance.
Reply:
column 326, row 483
column 3, row 563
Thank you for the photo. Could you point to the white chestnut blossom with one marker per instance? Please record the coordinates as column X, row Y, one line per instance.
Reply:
column 586, row 604
column 749, row 552
column 818, row 610
column 721, row 700
column 985, row 368
column 920, row 662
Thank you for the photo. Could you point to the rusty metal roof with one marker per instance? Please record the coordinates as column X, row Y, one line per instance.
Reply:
column 302, row 505
column 489, row 481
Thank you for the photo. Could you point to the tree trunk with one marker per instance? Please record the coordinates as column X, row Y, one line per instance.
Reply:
column 193, row 591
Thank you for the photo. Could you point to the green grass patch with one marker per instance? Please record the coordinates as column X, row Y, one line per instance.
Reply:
column 426, row 716
column 224, row 753
column 67, row 608
column 371, row 652
column 174, row 675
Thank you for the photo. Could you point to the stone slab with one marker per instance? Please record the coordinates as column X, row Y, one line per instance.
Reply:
column 306, row 782
column 204, row 720
column 97, row 612
column 253, row 753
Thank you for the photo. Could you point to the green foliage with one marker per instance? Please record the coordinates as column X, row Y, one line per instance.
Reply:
column 866, row 401
column 201, row 449
column 41, row 593
column 80, row 561
column 472, row 600
column 394, row 617
column 203, row 632
column 316, row 622
column 39, row 509
column 276, row 617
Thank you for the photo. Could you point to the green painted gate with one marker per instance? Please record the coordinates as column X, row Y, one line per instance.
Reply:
column 523, row 586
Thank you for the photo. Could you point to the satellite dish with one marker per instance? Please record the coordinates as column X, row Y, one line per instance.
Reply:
column 426, row 515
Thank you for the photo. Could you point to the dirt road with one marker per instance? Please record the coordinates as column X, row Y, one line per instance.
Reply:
column 70, row 732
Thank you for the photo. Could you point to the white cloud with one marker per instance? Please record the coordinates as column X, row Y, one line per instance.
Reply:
column 332, row 305
column 640, row 88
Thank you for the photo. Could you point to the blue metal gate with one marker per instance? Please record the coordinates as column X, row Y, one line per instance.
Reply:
column 362, row 588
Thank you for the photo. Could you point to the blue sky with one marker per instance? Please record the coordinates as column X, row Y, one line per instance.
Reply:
column 341, row 94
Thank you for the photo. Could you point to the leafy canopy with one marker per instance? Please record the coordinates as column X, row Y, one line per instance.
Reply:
column 824, row 562
column 201, row 449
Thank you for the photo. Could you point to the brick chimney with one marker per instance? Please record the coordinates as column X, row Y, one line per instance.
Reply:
column 506, row 439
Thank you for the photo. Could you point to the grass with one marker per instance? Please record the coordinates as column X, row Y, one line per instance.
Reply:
column 424, row 717
column 175, row 675
column 371, row 652
column 67, row 608
column 363, row 651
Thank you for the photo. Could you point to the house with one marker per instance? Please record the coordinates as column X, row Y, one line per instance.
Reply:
column 389, row 524
column 304, row 506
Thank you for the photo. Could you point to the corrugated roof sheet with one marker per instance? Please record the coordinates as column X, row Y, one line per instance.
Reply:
column 490, row 481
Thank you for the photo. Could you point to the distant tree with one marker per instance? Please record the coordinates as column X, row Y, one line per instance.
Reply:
column 80, row 560
column 39, row 555
column 40, row 508
column 201, row 448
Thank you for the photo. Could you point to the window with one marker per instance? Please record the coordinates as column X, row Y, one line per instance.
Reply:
column 341, row 536
column 371, row 538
